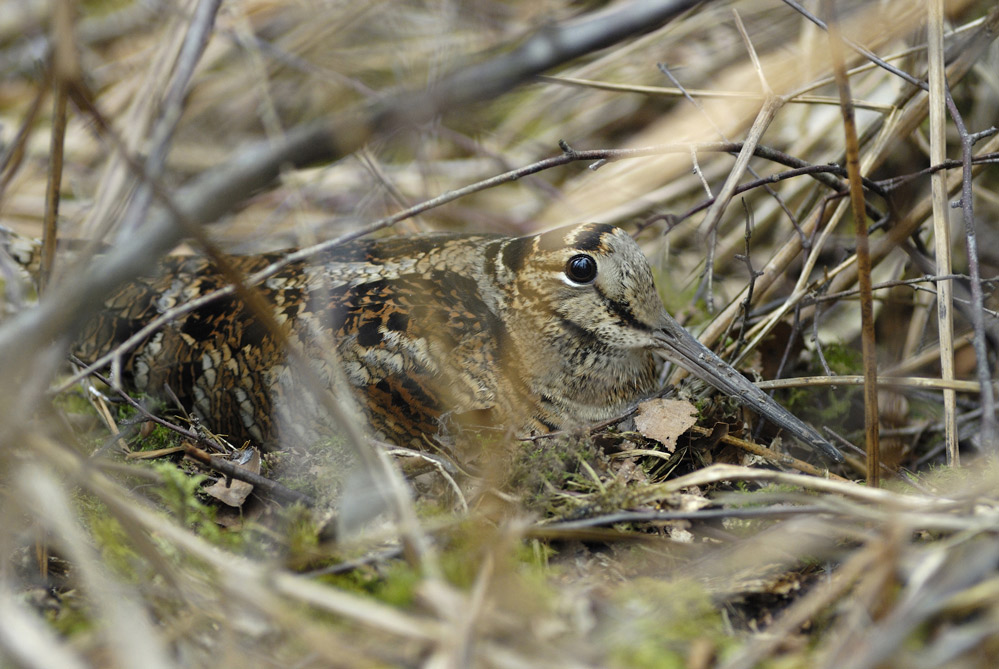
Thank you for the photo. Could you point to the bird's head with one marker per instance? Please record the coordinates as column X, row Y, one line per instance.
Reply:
column 592, row 280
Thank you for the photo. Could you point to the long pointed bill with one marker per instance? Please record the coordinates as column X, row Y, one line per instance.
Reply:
column 679, row 347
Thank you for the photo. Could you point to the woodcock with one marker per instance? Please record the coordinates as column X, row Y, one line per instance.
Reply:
column 539, row 333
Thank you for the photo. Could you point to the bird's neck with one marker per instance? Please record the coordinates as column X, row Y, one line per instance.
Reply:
column 573, row 378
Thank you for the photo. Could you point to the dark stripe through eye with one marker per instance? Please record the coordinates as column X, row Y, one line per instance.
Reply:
column 622, row 311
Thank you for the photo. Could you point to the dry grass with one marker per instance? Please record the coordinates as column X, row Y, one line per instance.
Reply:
column 591, row 551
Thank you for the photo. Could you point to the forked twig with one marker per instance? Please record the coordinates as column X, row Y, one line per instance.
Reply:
column 987, row 439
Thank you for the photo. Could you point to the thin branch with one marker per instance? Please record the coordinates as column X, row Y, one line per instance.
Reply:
column 987, row 442
column 54, row 183
column 866, row 53
column 871, row 415
column 753, row 274
column 769, row 454
column 65, row 69
column 691, row 94
column 781, row 511
column 824, row 174
column 728, row 190
column 816, row 317
column 766, row 91
column 13, row 154
column 928, row 278
column 886, row 381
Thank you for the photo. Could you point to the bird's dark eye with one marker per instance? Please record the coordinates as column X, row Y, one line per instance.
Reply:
column 581, row 269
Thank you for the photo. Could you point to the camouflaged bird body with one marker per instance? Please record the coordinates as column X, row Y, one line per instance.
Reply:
column 467, row 328
column 537, row 333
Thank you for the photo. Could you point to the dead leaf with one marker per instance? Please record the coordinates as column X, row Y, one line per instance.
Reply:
column 237, row 491
column 665, row 420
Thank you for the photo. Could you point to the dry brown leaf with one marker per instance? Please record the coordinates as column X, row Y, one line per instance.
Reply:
column 237, row 491
column 665, row 420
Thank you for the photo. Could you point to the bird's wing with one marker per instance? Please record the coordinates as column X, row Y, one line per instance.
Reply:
column 416, row 347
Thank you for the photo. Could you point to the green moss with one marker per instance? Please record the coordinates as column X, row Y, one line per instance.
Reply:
column 301, row 533
column 73, row 403
column 397, row 586
column 827, row 405
column 159, row 437
column 114, row 544
column 73, row 615
column 843, row 359
column 543, row 468
column 462, row 557
column 317, row 471
column 102, row 7
column 519, row 573
column 179, row 493
column 394, row 583
column 658, row 621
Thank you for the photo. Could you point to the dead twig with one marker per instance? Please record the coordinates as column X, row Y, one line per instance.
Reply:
column 987, row 440
column 280, row 492
column 771, row 455
column 871, row 416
